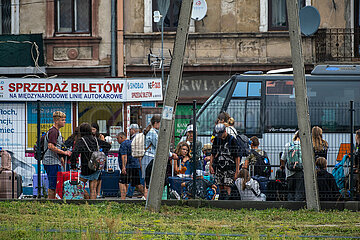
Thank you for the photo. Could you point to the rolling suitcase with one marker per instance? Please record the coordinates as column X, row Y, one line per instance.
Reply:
column 19, row 186
column 44, row 184
column 61, row 178
column 110, row 183
column 5, row 160
column 74, row 189
column 8, row 184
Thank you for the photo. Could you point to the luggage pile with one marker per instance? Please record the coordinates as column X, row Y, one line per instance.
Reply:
column 10, row 181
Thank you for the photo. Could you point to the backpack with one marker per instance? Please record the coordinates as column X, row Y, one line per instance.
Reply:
column 138, row 145
column 97, row 159
column 293, row 158
column 262, row 165
column 243, row 143
column 42, row 147
column 338, row 172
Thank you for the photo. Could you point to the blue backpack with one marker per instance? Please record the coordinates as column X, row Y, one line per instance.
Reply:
column 338, row 172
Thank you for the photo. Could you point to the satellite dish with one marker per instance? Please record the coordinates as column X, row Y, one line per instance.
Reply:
column 199, row 10
column 309, row 20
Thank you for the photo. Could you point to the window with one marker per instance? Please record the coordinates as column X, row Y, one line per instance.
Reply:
column 206, row 119
column 278, row 14
column 5, row 12
column 171, row 10
column 73, row 16
column 245, row 106
column 107, row 115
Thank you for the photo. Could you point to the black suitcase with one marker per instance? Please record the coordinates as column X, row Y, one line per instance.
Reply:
column 110, row 183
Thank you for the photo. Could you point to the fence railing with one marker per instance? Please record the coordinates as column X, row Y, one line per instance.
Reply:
column 337, row 45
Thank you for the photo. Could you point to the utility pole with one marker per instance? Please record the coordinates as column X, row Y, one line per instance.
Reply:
column 302, row 108
column 153, row 201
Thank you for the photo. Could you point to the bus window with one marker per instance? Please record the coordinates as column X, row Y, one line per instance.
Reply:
column 254, row 89
column 253, row 117
column 328, row 101
column 206, row 119
column 240, row 90
column 236, row 109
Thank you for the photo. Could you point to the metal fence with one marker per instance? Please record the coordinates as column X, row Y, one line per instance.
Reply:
column 18, row 126
column 337, row 45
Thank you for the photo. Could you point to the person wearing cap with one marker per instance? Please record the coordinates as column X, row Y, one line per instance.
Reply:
column 189, row 140
column 224, row 160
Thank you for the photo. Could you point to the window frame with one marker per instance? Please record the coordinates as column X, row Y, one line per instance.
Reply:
column 269, row 12
column 166, row 29
column 56, row 22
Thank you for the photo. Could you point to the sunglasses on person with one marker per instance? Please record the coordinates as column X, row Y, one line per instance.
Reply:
column 185, row 149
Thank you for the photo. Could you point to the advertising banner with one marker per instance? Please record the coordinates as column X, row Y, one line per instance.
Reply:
column 12, row 130
column 81, row 90
column 143, row 89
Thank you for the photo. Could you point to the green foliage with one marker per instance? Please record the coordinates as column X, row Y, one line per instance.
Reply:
column 35, row 220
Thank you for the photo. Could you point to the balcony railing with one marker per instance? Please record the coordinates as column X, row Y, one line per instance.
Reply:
column 337, row 45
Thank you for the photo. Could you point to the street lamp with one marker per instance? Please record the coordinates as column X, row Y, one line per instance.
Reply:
column 157, row 18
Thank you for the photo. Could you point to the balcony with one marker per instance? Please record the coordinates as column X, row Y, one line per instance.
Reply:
column 337, row 45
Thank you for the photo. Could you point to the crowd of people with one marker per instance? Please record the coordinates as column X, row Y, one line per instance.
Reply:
column 223, row 158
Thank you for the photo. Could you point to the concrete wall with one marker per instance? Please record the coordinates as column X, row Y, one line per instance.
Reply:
column 218, row 49
column 104, row 26
column 32, row 16
column 133, row 16
column 334, row 14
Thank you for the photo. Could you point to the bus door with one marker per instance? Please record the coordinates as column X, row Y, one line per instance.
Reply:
column 245, row 106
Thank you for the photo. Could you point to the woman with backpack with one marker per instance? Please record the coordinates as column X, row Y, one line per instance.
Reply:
column 85, row 146
column 249, row 188
column 320, row 146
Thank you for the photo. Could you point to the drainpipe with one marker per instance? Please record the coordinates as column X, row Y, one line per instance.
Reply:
column 120, row 37
column 113, row 38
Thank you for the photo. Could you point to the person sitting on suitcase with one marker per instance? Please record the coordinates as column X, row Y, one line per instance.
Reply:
column 130, row 166
column 204, row 188
column 248, row 188
column 85, row 146
column 53, row 156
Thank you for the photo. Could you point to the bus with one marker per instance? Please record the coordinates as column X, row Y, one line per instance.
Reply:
column 263, row 105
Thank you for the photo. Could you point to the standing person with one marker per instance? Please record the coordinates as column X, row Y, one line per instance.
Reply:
column 82, row 146
column 357, row 161
column 95, row 132
column 294, row 169
column 225, row 160
column 231, row 129
column 53, row 157
column 190, row 140
column 151, row 139
column 328, row 190
column 70, row 144
column 320, row 146
column 134, row 129
column 130, row 166
column 253, row 157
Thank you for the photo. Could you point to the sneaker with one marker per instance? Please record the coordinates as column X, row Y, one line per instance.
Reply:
column 143, row 198
column 98, row 196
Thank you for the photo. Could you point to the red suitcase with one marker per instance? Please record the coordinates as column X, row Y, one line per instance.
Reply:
column 60, row 179
column 8, row 184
